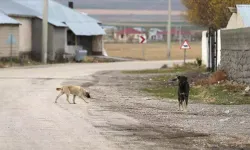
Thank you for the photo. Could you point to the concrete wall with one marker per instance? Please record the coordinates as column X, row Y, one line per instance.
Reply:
column 36, row 39
column 50, row 52
column 205, row 49
column 235, row 21
column 235, row 54
column 97, row 48
column 56, row 41
column 5, row 31
column 25, row 32
column 59, row 40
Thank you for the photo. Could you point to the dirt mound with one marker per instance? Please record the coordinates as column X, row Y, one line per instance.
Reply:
column 214, row 78
column 217, row 76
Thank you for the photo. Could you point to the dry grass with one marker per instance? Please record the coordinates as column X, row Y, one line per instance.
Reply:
column 153, row 51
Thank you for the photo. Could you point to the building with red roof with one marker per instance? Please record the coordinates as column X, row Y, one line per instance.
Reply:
column 128, row 35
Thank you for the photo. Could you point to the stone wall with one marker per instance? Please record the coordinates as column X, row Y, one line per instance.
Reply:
column 235, row 54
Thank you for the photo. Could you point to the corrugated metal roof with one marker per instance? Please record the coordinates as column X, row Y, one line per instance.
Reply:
column 4, row 19
column 244, row 11
column 85, row 28
column 59, row 13
column 10, row 7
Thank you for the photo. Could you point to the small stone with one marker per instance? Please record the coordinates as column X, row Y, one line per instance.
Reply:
column 247, row 89
column 242, row 122
column 227, row 111
column 223, row 120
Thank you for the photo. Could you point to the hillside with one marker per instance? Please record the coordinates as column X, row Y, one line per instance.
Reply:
column 126, row 4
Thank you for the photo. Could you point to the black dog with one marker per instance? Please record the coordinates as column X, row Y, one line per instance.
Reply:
column 183, row 90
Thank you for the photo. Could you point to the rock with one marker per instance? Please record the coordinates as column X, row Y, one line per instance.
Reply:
column 227, row 112
column 247, row 89
column 223, row 120
column 246, row 92
column 242, row 122
column 165, row 66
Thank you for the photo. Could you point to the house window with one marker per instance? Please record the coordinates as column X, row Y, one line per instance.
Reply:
column 71, row 38
column 122, row 36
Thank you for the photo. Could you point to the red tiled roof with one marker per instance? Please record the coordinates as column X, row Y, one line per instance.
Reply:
column 129, row 31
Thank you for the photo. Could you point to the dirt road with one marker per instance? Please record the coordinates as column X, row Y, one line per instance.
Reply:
column 116, row 118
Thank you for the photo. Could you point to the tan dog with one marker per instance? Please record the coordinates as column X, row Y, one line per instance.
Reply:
column 74, row 90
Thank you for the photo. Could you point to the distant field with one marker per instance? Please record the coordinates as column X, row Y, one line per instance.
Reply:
column 153, row 51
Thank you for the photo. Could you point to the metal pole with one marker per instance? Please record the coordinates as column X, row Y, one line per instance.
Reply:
column 45, row 32
column 169, row 30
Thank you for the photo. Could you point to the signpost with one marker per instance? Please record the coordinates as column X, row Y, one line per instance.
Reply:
column 11, row 40
column 143, row 40
column 185, row 46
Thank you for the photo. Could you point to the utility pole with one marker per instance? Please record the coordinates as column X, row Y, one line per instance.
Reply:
column 169, row 30
column 45, row 32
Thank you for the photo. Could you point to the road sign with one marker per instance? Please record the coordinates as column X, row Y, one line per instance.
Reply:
column 11, row 39
column 185, row 45
column 142, row 39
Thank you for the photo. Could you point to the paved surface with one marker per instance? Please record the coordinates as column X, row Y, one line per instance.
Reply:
column 31, row 120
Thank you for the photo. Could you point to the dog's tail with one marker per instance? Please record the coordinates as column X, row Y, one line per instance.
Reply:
column 58, row 89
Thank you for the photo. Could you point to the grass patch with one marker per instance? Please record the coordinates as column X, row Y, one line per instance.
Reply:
column 220, row 94
column 153, row 51
column 17, row 62
column 175, row 69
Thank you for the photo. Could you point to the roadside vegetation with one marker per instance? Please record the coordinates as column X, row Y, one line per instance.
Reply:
column 211, row 88
column 6, row 62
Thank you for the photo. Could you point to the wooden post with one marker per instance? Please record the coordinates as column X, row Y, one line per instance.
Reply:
column 11, row 53
column 185, row 55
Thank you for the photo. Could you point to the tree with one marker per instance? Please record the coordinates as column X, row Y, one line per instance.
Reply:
column 210, row 13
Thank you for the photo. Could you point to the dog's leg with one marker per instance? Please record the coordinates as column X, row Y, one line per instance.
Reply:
column 186, row 102
column 83, row 99
column 182, row 104
column 179, row 101
column 60, row 94
column 68, row 98
column 74, row 99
